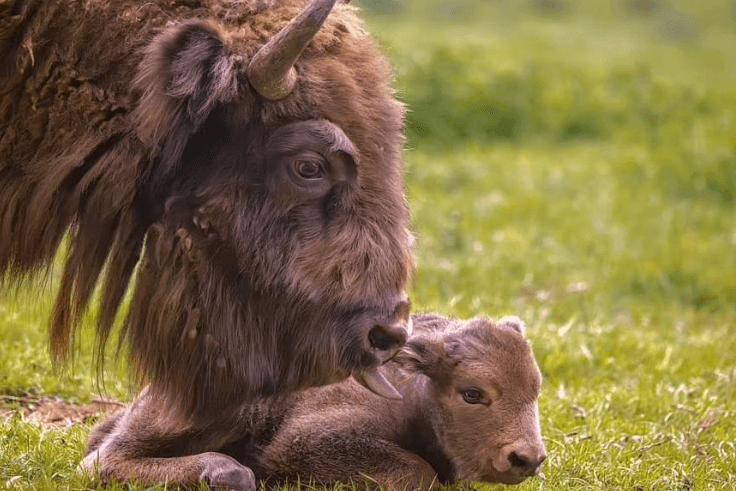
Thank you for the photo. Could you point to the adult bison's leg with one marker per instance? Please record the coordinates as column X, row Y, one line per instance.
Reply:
column 141, row 443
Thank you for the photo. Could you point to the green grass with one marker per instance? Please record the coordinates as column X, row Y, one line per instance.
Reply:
column 575, row 165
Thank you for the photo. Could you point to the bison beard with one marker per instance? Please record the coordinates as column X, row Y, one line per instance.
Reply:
column 260, row 220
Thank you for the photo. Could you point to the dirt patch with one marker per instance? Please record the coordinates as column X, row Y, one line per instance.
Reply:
column 54, row 411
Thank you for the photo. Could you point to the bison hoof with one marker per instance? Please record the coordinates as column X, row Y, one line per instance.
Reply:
column 225, row 473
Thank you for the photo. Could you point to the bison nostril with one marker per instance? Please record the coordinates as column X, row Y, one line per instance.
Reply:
column 378, row 339
column 387, row 338
column 525, row 464
column 518, row 460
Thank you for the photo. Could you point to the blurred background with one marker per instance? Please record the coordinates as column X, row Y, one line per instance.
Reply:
column 568, row 148
column 572, row 162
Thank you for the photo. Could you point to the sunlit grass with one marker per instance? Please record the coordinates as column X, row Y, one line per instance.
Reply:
column 25, row 362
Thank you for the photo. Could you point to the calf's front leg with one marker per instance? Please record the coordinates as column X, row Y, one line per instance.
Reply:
column 218, row 470
column 138, row 444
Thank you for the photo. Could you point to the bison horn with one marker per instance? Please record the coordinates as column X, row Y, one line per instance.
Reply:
column 271, row 71
column 374, row 380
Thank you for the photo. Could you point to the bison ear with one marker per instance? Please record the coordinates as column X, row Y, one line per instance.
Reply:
column 512, row 322
column 185, row 73
column 426, row 354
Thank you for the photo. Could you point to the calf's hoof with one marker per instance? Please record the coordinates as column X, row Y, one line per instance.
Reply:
column 224, row 473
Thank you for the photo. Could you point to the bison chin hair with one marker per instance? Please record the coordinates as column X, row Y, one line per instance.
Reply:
column 205, row 336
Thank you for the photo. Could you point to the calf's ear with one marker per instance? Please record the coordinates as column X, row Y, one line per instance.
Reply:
column 512, row 322
column 186, row 71
column 426, row 354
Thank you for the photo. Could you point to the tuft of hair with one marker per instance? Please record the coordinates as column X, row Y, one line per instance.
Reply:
column 512, row 322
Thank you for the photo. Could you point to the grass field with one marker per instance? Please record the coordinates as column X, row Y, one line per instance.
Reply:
column 573, row 163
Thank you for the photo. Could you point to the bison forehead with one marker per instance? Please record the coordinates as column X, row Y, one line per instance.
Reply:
column 498, row 358
column 342, row 77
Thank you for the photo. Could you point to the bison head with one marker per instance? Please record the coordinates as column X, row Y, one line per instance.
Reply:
column 485, row 380
column 248, row 185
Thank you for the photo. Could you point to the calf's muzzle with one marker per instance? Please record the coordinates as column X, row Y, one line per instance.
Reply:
column 526, row 462
column 522, row 459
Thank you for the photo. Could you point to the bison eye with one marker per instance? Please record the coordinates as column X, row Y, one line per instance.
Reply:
column 473, row 396
column 309, row 168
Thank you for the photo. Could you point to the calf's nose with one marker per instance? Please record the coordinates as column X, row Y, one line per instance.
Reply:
column 525, row 461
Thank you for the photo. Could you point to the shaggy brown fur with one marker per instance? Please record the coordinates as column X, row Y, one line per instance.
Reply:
column 123, row 123
column 469, row 412
column 267, row 239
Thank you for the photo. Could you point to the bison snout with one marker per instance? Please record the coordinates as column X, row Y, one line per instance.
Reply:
column 525, row 460
column 386, row 340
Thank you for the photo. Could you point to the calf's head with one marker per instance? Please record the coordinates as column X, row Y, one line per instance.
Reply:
column 485, row 381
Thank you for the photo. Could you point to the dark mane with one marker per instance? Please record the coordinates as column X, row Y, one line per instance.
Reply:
column 118, row 158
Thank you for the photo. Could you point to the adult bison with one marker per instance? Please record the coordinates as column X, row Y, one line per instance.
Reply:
column 469, row 412
column 238, row 164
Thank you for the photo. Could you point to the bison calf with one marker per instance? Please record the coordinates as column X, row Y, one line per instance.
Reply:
column 469, row 412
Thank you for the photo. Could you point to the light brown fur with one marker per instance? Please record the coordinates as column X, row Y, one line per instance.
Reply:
column 433, row 435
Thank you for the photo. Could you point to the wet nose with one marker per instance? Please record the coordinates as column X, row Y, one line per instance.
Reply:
column 390, row 332
column 526, row 461
column 386, row 339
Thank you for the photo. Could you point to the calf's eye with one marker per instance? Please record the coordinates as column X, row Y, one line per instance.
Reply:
column 309, row 168
column 473, row 396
